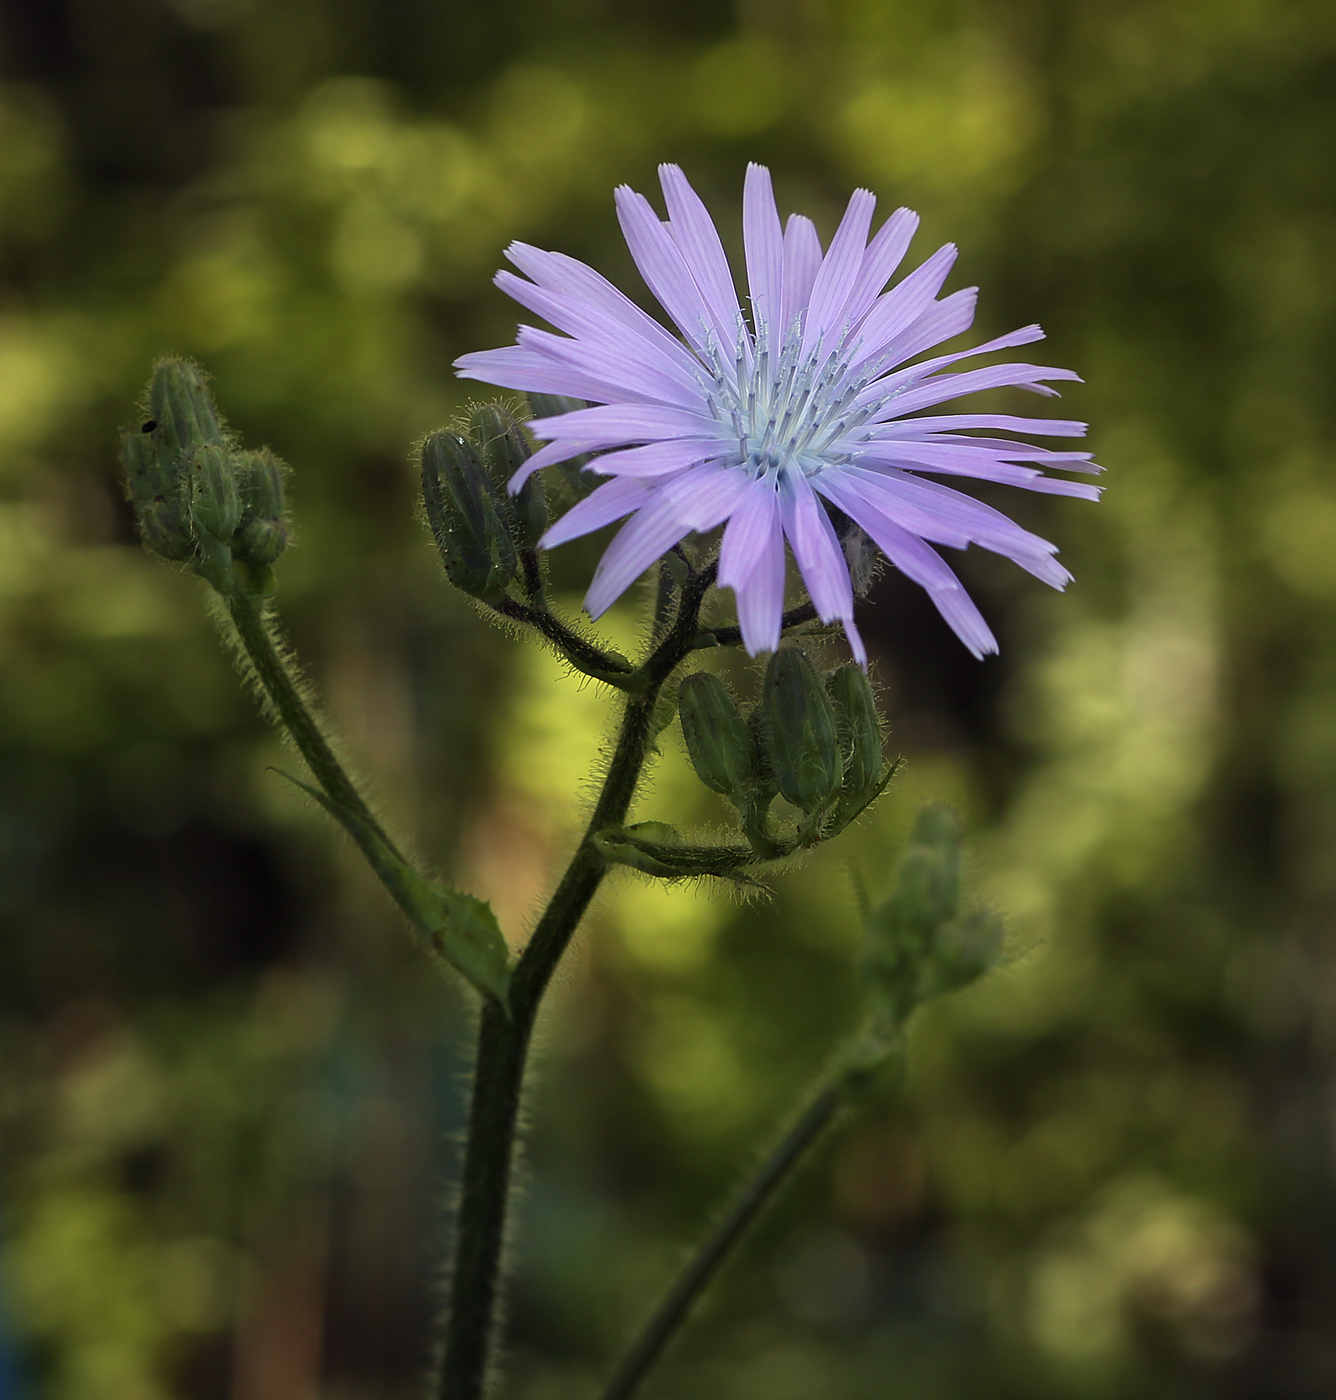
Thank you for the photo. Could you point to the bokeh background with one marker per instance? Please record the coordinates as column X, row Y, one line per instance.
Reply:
column 230, row 1091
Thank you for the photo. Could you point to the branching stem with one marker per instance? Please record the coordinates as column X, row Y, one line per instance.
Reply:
column 503, row 1041
column 284, row 691
column 672, row 1312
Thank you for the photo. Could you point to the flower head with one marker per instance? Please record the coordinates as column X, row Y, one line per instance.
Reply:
column 794, row 425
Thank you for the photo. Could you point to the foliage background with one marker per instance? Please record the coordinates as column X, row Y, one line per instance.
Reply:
column 229, row 1090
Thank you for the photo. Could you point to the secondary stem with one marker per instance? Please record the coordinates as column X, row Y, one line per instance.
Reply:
column 281, row 686
column 692, row 1281
column 503, row 1039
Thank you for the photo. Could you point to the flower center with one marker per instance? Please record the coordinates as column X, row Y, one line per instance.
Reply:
column 789, row 409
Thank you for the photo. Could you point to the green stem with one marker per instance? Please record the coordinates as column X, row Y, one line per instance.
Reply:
column 693, row 1280
column 732, row 636
column 280, row 684
column 503, row 1041
column 587, row 658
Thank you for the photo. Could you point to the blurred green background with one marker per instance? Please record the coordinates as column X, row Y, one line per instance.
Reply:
column 230, row 1092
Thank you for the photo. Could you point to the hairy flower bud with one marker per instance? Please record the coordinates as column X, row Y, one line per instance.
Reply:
column 211, row 491
column 799, row 727
column 963, row 951
column 857, row 726
column 156, row 496
column 262, row 535
column 719, row 741
column 184, row 415
column 918, row 945
column 466, row 517
column 504, row 450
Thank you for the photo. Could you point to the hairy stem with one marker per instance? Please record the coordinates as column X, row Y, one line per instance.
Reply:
column 732, row 636
column 692, row 1281
column 583, row 655
column 503, row 1039
column 280, row 684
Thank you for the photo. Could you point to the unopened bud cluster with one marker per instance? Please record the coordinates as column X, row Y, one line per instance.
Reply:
column 816, row 743
column 480, row 529
column 920, row 943
column 200, row 498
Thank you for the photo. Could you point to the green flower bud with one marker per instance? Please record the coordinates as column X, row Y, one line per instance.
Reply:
column 466, row 517
column 211, row 492
column 928, row 891
column 262, row 535
column 504, row 449
column 857, row 725
column 183, row 413
column 799, row 728
column 158, row 502
column 916, row 947
column 718, row 739
column 214, row 506
column 962, row 951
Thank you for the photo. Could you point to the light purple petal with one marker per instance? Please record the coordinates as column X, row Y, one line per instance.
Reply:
column 939, row 321
column 839, row 270
column 884, row 254
column 754, row 520
column 698, row 499
column 982, row 463
column 655, row 458
column 589, row 321
column 570, row 278
column 601, row 507
column 751, row 563
column 946, row 516
column 904, row 303
column 662, row 266
column 763, row 239
column 917, row 561
column 652, row 531
column 974, row 381
column 514, row 368
column 695, row 234
column 1007, row 422
column 619, row 425
column 713, row 495
column 816, row 549
column 802, row 262
column 608, row 364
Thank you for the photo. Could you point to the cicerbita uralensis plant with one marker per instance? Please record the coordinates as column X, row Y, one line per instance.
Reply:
column 796, row 424
column 795, row 429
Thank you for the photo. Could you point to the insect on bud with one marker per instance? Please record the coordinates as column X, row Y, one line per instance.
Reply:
column 719, row 741
column 799, row 728
column 466, row 517
column 857, row 726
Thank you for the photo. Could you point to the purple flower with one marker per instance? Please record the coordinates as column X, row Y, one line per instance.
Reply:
column 784, row 427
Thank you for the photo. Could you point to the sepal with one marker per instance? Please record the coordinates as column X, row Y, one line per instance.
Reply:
column 656, row 848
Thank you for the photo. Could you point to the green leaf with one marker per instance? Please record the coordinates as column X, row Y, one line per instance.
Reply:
column 460, row 927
